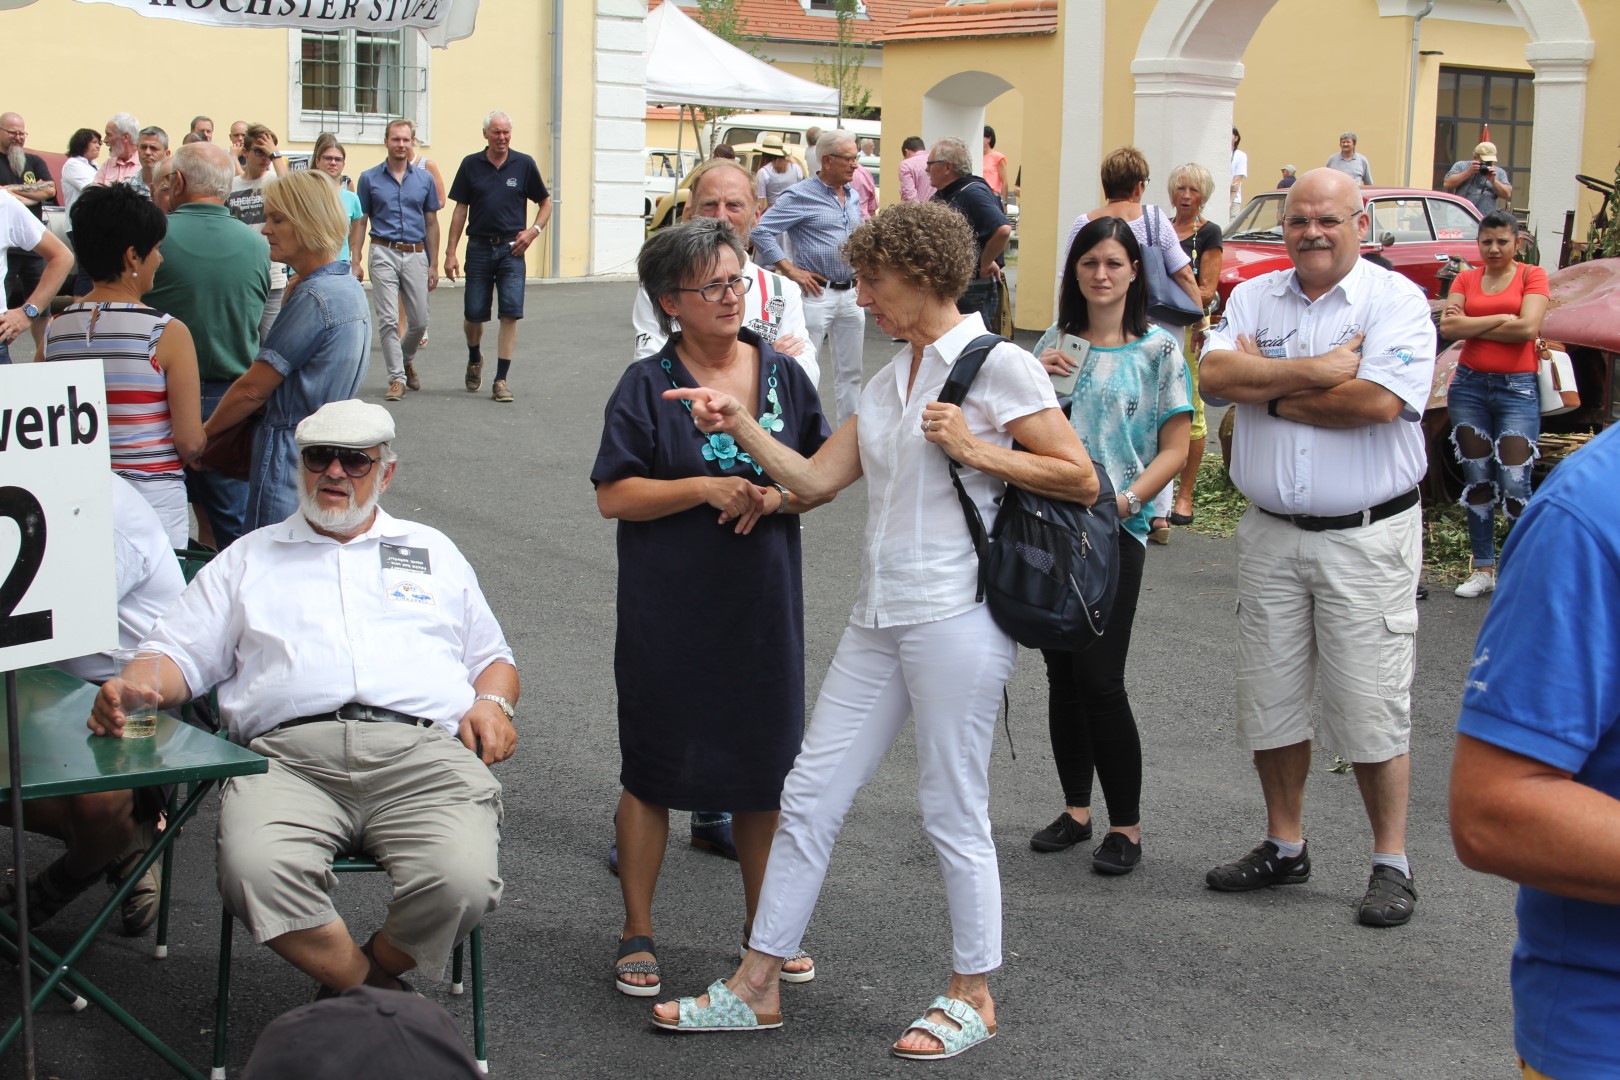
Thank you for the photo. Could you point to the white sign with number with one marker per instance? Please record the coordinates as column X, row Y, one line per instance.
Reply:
column 58, row 596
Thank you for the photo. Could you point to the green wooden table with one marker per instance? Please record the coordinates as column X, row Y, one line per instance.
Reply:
column 61, row 757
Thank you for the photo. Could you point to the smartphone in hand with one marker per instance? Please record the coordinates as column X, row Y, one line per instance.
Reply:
column 1075, row 348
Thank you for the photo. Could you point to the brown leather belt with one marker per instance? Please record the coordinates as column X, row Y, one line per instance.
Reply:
column 397, row 245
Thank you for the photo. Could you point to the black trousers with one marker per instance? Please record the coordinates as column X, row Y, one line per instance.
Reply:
column 1088, row 711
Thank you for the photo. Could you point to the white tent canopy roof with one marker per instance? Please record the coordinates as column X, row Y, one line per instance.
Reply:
column 687, row 65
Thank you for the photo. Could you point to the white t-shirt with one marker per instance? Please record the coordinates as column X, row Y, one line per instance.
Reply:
column 918, row 564
column 246, row 204
column 286, row 623
column 1240, row 172
column 773, row 308
column 1291, row 468
column 147, row 573
column 19, row 229
column 77, row 174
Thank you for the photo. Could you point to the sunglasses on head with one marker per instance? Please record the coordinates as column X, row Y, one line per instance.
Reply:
column 356, row 463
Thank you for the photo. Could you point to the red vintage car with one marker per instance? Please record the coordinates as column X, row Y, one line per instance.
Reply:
column 1416, row 229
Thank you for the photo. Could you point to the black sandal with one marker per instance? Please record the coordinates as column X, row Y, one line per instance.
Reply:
column 639, row 943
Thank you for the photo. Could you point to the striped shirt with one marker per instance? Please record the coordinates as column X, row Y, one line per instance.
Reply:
column 124, row 338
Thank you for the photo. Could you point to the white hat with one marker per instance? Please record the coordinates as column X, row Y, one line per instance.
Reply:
column 353, row 424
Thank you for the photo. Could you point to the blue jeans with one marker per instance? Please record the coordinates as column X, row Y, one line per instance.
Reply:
column 1491, row 414
column 221, row 499
column 491, row 271
column 5, row 353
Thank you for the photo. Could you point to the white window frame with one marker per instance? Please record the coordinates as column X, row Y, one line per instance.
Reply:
column 305, row 126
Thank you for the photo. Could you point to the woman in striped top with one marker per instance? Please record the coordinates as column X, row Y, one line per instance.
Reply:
column 154, row 403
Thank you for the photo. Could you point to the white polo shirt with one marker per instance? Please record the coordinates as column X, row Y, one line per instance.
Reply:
column 287, row 623
column 918, row 564
column 773, row 308
column 1291, row 468
column 19, row 230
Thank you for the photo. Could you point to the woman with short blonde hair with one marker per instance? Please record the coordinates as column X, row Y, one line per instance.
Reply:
column 1190, row 187
column 307, row 201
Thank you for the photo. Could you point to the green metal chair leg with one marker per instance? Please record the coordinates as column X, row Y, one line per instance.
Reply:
column 160, row 949
column 457, row 987
column 476, row 939
column 222, row 1000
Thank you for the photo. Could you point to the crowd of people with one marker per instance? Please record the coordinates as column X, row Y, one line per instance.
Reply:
column 715, row 443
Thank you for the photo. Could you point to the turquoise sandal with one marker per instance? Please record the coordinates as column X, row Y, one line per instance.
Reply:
column 725, row 1012
column 970, row 1032
column 807, row 975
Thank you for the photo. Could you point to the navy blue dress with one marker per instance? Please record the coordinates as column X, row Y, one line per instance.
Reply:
column 701, row 608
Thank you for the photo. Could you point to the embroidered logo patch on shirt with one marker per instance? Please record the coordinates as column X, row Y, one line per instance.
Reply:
column 409, row 592
column 395, row 557
column 1404, row 355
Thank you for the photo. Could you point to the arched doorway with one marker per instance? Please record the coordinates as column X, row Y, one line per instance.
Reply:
column 1188, row 65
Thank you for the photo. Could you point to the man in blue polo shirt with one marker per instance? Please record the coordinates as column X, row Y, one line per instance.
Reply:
column 1535, row 784
column 492, row 190
column 402, row 205
column 950, row 170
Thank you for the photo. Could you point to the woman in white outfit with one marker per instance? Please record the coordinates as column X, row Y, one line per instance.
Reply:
column 918, row 643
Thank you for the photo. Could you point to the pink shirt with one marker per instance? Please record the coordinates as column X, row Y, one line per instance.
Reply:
column 914, row 183
column 113, row 171
column 995, row 165
column 866, row 188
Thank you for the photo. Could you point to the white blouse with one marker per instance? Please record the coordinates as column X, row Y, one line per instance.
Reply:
column 918, row 560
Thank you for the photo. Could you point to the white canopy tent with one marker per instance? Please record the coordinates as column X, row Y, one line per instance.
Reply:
column 687, row 65
column 441, row 21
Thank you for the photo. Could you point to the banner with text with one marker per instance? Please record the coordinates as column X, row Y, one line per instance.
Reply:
column 441, row 21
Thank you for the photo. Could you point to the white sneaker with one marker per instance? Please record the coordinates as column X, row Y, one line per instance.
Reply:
column 1479, row 583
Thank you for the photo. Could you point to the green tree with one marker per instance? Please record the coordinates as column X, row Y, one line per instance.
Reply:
column 843, row 71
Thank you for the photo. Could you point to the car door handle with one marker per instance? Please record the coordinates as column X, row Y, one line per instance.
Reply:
column 1442, row 258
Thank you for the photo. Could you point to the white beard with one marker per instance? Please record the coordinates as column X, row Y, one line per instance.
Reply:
column 17, row 158
column 337, row 521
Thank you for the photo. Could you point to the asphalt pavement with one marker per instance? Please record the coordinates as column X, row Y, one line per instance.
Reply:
column 1145, row 976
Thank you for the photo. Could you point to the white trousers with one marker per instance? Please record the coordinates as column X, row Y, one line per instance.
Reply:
column 949, row 675
column 836, row 316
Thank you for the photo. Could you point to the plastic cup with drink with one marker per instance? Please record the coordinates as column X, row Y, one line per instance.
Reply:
column 141, row 672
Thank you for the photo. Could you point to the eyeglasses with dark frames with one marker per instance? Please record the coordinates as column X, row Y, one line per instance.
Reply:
column 356, row 463
column 715, row 291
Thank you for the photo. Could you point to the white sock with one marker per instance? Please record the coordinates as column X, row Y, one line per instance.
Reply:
column 1287, row 849
column 1398, row 862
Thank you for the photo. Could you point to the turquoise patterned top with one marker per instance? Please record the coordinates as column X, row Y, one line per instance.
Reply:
column 1122, row 398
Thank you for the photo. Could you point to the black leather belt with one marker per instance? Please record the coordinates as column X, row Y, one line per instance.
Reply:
column 839, row 286
column 493, row 241
column 356, row 711
column 1311, row 523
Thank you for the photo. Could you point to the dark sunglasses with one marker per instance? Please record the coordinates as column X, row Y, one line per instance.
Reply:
column 356, row 463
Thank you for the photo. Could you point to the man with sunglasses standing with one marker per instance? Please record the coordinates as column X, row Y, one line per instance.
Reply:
column 1329, row 365
column 492, row 191
column 818, row 215
column 380, row 715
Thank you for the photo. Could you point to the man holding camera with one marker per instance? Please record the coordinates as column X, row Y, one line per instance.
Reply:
column 1481, row 181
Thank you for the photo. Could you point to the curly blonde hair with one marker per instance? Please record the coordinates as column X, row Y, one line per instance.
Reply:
column 929, row 244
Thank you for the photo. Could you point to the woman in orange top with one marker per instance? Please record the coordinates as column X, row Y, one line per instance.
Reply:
column 1496, row 311
column 994, row 166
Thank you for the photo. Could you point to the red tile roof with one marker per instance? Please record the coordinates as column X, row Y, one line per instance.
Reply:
column 786, row 20
column 1001, row 18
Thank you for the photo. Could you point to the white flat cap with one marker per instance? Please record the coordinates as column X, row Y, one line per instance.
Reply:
column 352, row 423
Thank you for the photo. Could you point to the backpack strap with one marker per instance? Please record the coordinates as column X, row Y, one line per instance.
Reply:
column 963, row 372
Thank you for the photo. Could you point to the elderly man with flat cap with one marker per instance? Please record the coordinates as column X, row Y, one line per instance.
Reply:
column 356, row 652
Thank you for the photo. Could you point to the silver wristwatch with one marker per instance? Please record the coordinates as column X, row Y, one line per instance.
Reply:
column 1132, row 501
column 506, row 706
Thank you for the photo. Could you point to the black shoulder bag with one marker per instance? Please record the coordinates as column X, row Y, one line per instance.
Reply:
column 1049, row 568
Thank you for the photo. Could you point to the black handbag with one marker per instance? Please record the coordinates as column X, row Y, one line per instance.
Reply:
column 1049, row 568
column 1168, row 303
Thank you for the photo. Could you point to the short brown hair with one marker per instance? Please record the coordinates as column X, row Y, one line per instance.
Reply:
column 255, row 131
column 929, row 244
column 1122, row 170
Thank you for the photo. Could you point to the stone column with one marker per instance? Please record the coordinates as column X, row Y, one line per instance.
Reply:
column 1560, row 121
column 620, row 134
column 1184, row 113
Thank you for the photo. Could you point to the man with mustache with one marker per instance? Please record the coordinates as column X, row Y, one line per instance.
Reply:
column 356, row 652
column 27, row 177
column 1329, row 365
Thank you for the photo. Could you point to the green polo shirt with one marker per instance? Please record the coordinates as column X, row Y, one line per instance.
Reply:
column 214, row 278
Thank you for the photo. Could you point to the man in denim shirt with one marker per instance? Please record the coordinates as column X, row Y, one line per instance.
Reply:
column 402, row 205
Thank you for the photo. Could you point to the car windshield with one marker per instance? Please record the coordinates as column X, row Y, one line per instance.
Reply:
column 1260, row 220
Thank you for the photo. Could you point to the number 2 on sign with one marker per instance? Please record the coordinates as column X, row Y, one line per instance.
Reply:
column 20, row 506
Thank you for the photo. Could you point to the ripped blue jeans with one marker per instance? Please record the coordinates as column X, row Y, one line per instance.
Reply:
column 1496, row 420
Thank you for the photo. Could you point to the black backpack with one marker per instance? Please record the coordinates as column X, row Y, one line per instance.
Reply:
column 1049, row 569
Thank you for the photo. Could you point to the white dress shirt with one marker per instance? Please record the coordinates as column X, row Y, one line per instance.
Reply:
column 1291, row 468
column 148, row 576
column 773, row 308
column 287, row 623
column 918, row 562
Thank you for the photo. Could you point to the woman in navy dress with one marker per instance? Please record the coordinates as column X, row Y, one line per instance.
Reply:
column 709, row 582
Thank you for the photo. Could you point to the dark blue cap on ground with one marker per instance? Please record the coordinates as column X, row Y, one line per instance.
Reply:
column 362, row 1034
